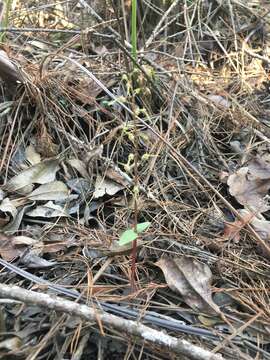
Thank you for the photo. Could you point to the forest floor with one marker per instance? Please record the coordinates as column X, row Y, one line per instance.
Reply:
column 171, row 148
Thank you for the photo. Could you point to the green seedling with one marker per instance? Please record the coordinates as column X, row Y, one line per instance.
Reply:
column 130, row 163
column 110, row 103
column 131, row 234
column 147, row 156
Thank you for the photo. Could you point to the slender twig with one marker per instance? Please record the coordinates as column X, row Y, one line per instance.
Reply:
column 36, row 30
column 171, row 324
column 158, row 29
column 237, row 331
column 132, row 328
column 48, row 30
column 100, row 20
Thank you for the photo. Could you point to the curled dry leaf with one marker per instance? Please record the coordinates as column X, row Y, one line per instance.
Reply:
column 14, row 225
column 259, row 223
column 31, row 155
column 219, row 100
column 12, row 247
column 32, row 260
column 9, row 72
column 41, row 173
column 232, row 229
column 250, row 185
column 192, row 280
column 7, row 206
column 48, row 210
column 55, row 190
column 105, row 186
column 7, row 211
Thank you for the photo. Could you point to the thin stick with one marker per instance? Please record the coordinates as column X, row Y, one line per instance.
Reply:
column 100, row 20
column 132, row 328
column 157, row 29
column 237, row 331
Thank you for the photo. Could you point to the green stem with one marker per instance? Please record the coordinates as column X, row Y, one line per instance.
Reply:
column 134, row 56
column 134, row 29
column 5, row 21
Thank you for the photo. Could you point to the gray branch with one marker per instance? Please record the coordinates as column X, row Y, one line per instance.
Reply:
column 132, row 328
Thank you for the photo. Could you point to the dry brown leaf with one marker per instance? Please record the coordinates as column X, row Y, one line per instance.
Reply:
column 11, row 344
column 79, row 166
column 32, row 260
column 12, row 247
column 259, row 223
column 250, row 185
column 192, row 280
column 9, row 72
column 232, row 229
column 32, row 155
column 45, row 145
column 48, row 210
column 118, row 176
column 54, row 190
column 219, row 100
column 260, row 166
column 40, row 173
column 105, row 186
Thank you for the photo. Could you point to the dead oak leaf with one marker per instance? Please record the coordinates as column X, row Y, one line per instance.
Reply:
column 40, row 173
column 12, row 247
column 192, row 280
column 250, row 188
column 232, row 229
column 259, row 223
column 105, row 186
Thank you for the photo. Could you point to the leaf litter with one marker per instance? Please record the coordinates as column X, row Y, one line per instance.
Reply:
column 40, row 173
column 55, row 190
column 192, row 280
column 250, row 184
column 69, row 179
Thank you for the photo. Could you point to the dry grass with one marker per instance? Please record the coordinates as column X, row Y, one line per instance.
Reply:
column 204, row 49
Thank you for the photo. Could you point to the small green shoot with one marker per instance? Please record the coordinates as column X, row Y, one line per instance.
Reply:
column 132, row 234
column 134, row 29
column 5, row 20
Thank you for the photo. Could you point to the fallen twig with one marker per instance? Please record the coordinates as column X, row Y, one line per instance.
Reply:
column 129, row 327
column 158, row 28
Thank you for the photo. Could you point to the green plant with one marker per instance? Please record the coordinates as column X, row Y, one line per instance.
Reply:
column 134, row 29
column 132, row 234
column 5, row 19
column 136, row 176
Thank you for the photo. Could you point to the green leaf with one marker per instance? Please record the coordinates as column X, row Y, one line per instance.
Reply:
column 142, row 227
column 127, row 237
column 131, row 235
